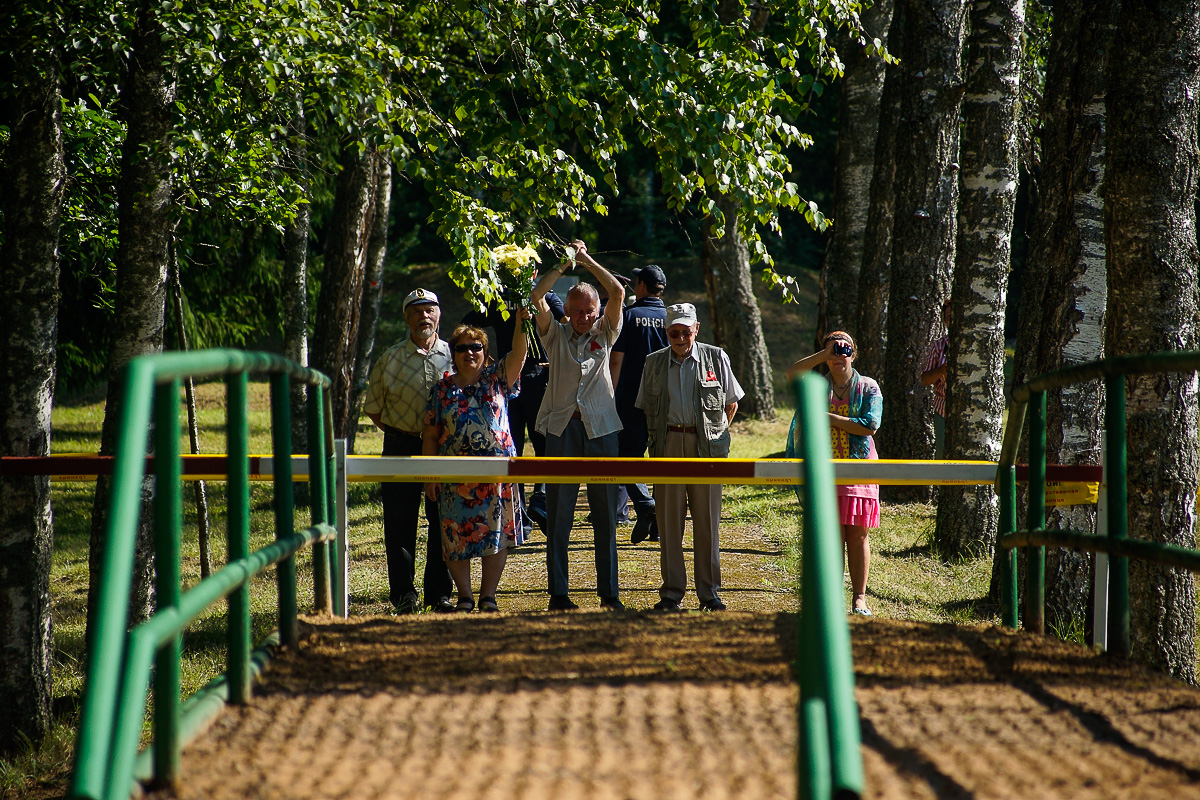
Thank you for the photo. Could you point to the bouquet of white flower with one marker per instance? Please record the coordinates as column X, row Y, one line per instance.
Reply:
column 516, row 271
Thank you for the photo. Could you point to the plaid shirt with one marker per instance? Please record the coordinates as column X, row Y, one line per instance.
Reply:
column 402, row 381
column 935, row 359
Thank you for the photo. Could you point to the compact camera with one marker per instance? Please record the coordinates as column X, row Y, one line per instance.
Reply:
column 842, row 349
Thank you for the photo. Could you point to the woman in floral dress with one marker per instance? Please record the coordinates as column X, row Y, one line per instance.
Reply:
column 468, row 416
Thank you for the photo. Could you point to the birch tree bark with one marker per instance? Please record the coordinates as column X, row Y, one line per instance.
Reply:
column 33, row 178
column 295, row 275
column 923, row 234
column 874, row 279
column 1064, row 285
column 968, row 516
column 860, row 90
column 726, row 262
column 1150, row 233
column 144, row 228
column 335, row 335
column 372, row 292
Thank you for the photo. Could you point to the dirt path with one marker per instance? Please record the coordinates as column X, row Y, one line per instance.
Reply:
column 639, row 705
column 528, row 704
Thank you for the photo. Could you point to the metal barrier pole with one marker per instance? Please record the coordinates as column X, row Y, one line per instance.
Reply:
column 237, row 533
column 168, row 511
column 1008, row 559
column 341, row 572
column 1101, row 561
column 828, row 679
column 285, row 571
column 1035, row 517
column 1118, row 514
column 318, row 497
column 100, row 708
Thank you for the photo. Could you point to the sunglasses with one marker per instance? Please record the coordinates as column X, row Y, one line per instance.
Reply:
column 473, row 347
column 680, row 334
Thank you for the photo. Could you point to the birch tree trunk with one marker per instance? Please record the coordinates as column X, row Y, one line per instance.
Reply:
column 968, row 516
column 858, row 123
column 33, row 180
column 925, row 220
column 1150, row 233
column 1064, row 289
column 339, row 305
column 874, row 280
column 372, row 292
column 295, row 277
column 735, row 313
column 144, row 228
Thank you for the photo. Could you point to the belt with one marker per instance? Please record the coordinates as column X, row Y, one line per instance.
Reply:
column 388, row 429
column 576, row 415
column 681, row 428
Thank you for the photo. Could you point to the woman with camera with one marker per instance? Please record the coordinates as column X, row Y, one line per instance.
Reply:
column 855, row 409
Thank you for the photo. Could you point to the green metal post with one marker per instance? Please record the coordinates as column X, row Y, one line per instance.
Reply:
column 237, row 534
column 107, row 646
column 285, row 572
column 1035, row 518
column 318, row 496
column 1008, row 559
column 825, row 631
column 1118, row 515
column 168, row 511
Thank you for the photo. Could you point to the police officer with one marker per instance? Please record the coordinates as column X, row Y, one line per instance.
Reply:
column 643, row 331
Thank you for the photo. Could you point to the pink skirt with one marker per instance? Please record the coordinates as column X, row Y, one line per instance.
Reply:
column 855, row 510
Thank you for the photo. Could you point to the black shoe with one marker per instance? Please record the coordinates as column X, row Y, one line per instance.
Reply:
column 653, row 537
column 667, row 604
column 642, row 529
column 409, row 604
column 612, row 603
column 562, row 602
column 443, row 606
column 715, row 604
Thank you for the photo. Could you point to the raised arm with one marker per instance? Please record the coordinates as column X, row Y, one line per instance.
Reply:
column 811, row 362
column 616, row 292
column 545, row 284
column 515, row 360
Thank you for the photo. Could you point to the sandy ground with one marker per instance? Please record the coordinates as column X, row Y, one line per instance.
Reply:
column 530, row 704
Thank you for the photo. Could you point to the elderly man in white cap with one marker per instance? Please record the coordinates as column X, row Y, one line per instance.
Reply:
column 397, row 394
column 690, row 395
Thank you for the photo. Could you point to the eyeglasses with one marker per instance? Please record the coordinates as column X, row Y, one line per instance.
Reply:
column 472, row 347
column 680, row 333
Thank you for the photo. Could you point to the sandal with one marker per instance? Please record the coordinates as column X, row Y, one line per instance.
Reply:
column 488, row 604
column 465, row 604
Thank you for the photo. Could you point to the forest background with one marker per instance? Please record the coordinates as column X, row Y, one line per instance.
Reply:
column 206, row 174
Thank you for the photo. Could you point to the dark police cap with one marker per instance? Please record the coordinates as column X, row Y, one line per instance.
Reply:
column 651, row 275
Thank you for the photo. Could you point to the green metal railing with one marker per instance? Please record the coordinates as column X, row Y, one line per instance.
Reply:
column 830, row 756
column 120, row 661
column 1030, row 399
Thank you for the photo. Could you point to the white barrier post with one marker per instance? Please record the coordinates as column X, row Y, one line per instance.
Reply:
column 1100, row 576
column 341, row 556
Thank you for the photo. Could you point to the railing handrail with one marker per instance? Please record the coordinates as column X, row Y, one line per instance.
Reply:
column 1103, row 369
column 1032, row 394
column 118, row 665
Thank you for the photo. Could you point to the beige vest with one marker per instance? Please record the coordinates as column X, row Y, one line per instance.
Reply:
column 712, row 428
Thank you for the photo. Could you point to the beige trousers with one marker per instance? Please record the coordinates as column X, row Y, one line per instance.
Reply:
column 672, row 502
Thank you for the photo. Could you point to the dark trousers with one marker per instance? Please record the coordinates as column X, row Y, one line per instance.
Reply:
column 401, row 515
column 631, row 443
column 602, row 498
column 522, row 416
